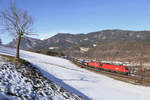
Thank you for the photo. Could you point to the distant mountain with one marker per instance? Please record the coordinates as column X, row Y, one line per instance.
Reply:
column 77, row 44
column 87, row 40
column 27, row 43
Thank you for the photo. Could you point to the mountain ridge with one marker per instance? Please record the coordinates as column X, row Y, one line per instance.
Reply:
column 73, row 44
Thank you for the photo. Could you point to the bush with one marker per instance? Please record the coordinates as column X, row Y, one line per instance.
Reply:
column 48, row 52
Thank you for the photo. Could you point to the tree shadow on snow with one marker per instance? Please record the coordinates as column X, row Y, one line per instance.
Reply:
column 61, row 83
column 81, row 79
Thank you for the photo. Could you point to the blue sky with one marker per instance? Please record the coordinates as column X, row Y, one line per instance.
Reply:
column 83, row 16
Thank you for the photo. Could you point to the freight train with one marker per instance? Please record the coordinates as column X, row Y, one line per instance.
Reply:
column 103, row 66
column 109, row 67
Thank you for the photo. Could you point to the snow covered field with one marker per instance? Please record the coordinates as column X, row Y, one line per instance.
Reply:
column 22, row 82
column 80, row 81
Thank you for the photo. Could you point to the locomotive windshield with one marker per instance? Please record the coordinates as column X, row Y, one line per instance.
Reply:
column 126, row 68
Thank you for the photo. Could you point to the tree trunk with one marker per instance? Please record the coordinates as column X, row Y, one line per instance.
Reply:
column 18, row 45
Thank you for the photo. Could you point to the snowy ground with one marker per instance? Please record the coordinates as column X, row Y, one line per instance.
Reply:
column 23, row 82
column 82, row 82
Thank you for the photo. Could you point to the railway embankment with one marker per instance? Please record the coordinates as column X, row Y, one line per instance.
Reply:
column 131, row 78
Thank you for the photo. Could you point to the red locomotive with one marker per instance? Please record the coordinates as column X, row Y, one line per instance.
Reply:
column 109, row 67
column 103, row 66
column 94, row 64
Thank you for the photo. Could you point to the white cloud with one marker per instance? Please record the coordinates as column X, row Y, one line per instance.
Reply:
column 43, row 36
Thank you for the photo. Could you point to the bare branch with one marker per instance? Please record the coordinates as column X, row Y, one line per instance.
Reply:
column 16, row 22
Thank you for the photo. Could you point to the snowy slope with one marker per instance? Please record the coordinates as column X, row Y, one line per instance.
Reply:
column 22, row 82
column 82, row 82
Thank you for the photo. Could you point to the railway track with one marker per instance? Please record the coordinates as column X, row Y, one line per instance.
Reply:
column 126, row 78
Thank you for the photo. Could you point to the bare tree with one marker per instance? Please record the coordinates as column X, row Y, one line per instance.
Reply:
column 16, row 22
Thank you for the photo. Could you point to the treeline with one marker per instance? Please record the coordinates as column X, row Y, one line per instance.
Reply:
column 48, row 52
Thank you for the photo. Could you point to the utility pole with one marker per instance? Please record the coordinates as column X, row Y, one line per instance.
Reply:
column 141, row 71
column 140, row 59
column 141, row 63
